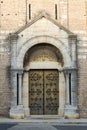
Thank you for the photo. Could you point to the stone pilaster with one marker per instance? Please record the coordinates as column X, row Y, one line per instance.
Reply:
column 13, row 40
column 17, row 110
column 73, row 49
column 71, row 108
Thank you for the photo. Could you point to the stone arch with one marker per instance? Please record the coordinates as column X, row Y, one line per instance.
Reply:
column 43, row 53
column 47, row 40
column 53, row 64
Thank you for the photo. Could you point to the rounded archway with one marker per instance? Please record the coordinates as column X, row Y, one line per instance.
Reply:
column 43, row 53
column 46, row 40
column 43, row 65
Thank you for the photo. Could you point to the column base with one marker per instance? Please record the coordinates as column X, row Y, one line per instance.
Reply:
column 26, row 112
column 61, row 111
column 17, row 112
column 71, row 112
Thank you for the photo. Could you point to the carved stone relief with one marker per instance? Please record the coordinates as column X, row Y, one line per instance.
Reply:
column 43, row 53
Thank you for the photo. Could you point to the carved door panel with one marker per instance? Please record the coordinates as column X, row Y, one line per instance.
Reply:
column 36, row 92
column 51, row 92
column 43, row 92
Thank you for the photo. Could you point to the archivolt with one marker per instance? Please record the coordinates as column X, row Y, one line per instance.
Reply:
column 45, row 40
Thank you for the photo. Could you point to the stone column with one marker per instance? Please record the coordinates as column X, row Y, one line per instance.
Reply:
column 74, row 88
column 71, row 109
column 61, row 93
column 67, row 89
column 26, row 93
column 20, row 88
column 13, row 88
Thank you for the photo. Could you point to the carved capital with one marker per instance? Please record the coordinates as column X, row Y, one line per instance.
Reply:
column 13, row 37
column 20, row 71
column 68, row 70
column 72, row 38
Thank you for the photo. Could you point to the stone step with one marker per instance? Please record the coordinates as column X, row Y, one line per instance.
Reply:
column 44, row 117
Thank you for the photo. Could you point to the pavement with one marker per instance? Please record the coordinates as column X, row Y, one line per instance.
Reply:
column 32, row 127
column 43, row 124
column 51, row 120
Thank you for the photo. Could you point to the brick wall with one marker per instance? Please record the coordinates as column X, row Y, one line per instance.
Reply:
column 70, row 13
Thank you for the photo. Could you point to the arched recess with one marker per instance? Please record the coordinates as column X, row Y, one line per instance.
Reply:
column 55, row 43
column 45, row 57
column 43, row 53
column 47, row 40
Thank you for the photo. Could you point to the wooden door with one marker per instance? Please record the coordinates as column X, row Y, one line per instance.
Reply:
column 43, row 92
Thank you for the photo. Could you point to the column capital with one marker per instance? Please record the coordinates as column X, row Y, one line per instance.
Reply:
column 19, row 71
column 69, row 69
column 72, row 38
column 13, row 36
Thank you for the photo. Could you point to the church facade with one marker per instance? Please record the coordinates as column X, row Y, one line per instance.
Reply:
column 43, row 58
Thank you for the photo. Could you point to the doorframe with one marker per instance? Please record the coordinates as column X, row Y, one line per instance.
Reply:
column 61, row 87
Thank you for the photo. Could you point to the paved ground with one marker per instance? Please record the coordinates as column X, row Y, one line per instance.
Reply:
column 71, row 127
column 41, row 126
column 33, row 127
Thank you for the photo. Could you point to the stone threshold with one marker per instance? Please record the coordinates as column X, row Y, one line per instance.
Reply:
column 44, row 117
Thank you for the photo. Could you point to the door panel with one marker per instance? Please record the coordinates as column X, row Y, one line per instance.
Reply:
column 44, row 96
column 51, row 92
column 36, row 92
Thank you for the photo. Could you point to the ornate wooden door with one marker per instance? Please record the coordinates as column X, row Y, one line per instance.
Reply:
column 43, row 92
column 51, row 92
column 36, row 92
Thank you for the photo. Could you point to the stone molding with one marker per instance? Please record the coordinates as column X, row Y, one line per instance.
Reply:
column 47, row 16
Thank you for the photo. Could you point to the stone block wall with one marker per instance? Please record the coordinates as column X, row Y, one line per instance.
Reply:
column 4, row 84
column 70, row 13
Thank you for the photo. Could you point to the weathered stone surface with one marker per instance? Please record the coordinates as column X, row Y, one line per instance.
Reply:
column 14, row 15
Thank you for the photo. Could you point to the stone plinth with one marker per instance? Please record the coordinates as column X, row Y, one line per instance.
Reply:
column 71, row 112
column 17, row 112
